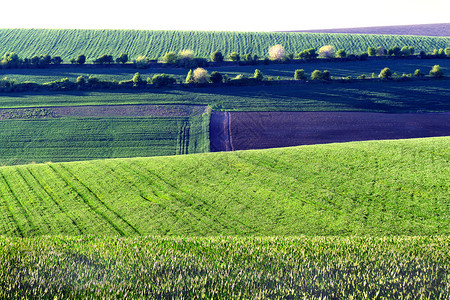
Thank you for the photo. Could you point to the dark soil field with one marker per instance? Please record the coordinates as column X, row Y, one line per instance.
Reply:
column 103, row 111
column 441, row 29
column 260, row 130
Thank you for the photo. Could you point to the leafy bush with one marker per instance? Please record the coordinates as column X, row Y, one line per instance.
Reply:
column 299, row 74
column 62, row 84
column 371, row 51
column 341, row 53
column 190, row 77
column 319, row 75
column 104, row 59
column 10, row 60
column 141, row 62
column 407, row 51
column 385, row 73
column 418, row 73
column 80, row 80
column 234, row 56
column 192, row 63
column 170, row 57
column 81, row 59
column 216, row 77
column 161, row 80
column 308, row 54
column 137, row 79
column 57, row 60
column 258, row 75
column 436, row 72
column 217, row 56
column 394, row 51
column 123, row 58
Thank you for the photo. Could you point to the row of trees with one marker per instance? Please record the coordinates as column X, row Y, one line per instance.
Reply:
column 199, row 76
column 187, row 59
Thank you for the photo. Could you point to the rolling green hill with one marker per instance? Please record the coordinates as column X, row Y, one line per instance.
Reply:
column 68, row 43
column 365, row 188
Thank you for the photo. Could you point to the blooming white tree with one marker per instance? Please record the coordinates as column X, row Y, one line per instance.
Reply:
column 326, row 51
column 277, row 52
column 380, row 51
column 141, row 61
column 201, row 75
column 187, row 54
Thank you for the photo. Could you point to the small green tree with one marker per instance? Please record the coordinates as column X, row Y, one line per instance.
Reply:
column 57, row 60
column 104, row 59
column 123, row 58
column 447, row 51
column 394, row 51
column 80, row 80
column 258, row 75
column 308, row 54
column 436, row 72
column 160, row 80
column 341, row 53
column 189, row 77
column 10, row 60
column 141, row 62
column 216, row 77
column 418, row 73
column 217, row 56
column 170, row 57
column 385, row 73
column 81, row 59
column 137, row 79
column 371, row 51
column 316, row 75
column 299, row 74
column 234, row 56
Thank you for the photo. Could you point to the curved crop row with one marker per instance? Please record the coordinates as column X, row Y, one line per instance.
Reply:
column 368, row 188
column 68, row 43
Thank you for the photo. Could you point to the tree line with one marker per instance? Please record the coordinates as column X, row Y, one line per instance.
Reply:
column 187, row 59
column 197, row 77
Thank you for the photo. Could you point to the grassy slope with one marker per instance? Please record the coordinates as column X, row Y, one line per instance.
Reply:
column 78, row 138
column 69, row 43
column 361, row 96
column 374, row 188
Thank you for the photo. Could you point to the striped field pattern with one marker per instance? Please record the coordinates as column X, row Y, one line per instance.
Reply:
column 370, row 188
column 69, row 43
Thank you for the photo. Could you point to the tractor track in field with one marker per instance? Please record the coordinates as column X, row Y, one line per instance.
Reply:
column 220, row 132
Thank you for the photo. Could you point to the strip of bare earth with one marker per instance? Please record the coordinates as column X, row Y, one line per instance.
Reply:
column 260, row 130
column 102, row 111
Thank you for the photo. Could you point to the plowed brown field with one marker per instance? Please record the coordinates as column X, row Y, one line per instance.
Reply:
column 259, row 130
